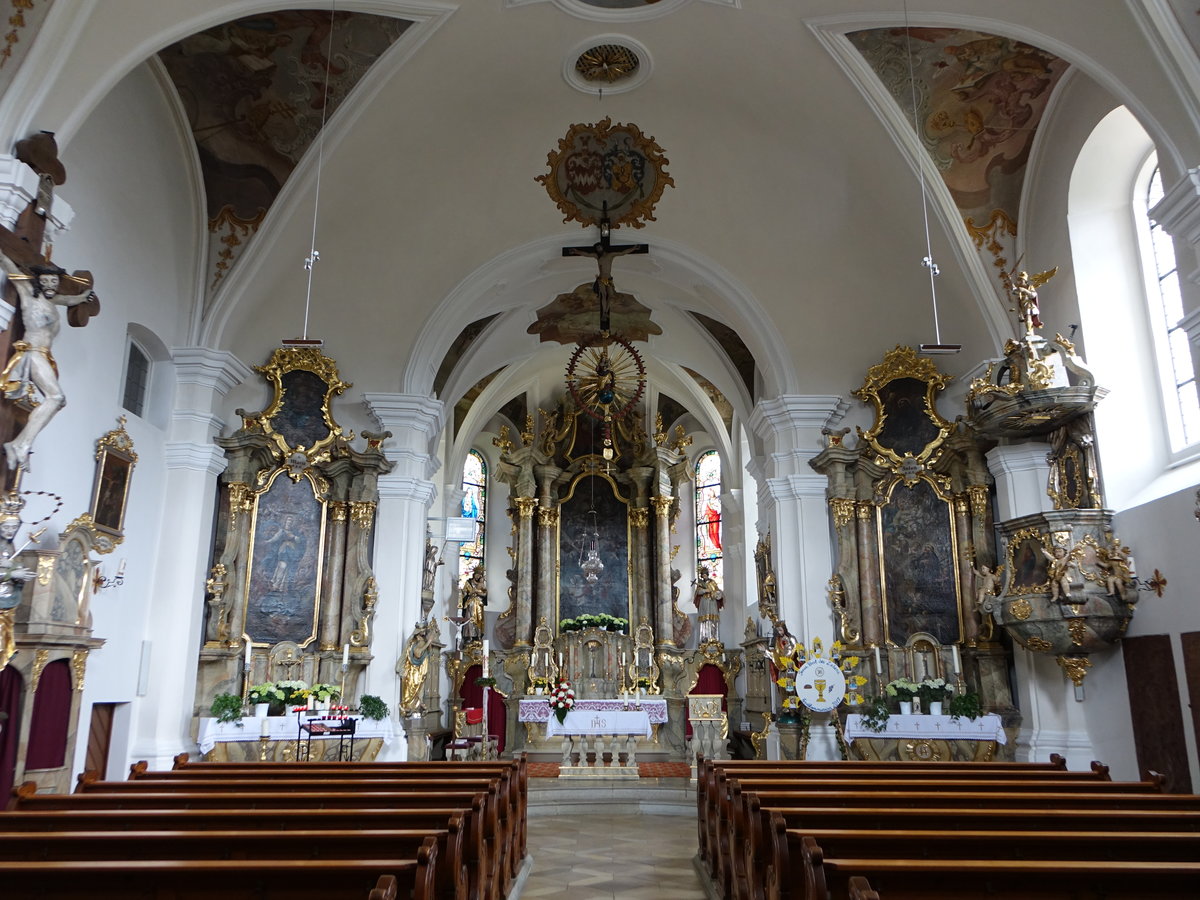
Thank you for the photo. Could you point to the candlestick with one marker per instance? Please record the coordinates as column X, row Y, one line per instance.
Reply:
column 249, row 652
column 957, row 660
column 485, row 659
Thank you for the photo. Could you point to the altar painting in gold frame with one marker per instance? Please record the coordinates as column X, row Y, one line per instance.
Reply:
column 612, row 593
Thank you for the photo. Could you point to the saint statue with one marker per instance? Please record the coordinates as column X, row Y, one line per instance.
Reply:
column 12, row 576
column 709, row 600
column 414, row 668
column 474, row 599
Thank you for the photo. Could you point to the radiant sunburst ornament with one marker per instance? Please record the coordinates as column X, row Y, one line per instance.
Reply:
column 606, row 63
column 607, row 378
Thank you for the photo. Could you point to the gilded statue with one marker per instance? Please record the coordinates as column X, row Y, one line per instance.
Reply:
column 472, row 603
column 1024, row 291
column 1058, row 568
column 1114, row 563
column 709, row 599
column 415, row 668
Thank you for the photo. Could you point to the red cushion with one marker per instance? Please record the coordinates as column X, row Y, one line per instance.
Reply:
column 474, row 716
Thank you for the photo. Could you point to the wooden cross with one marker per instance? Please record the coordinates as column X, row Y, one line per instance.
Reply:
column 604, row 252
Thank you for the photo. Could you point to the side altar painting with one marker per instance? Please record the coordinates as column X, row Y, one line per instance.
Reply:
column 291, row 594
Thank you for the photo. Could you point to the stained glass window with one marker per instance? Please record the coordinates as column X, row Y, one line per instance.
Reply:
column 474, row 506
column 708, row 515
column 1166, row 306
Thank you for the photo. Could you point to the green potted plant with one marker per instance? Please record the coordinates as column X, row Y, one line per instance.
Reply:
column 295, row 692
column 227, row 708
column 372, row 707
column 875, row 714
column 324, row 693
column 965, row 706
column 902, row 691
column 539, row 685
column 264, row 697
column 933, row 693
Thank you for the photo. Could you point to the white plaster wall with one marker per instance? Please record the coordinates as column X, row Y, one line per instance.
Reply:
column 133, row 204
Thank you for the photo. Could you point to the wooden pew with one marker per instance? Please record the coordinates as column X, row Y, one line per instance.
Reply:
column 507, row 837
column 451, row 871
column 516, row 791
column 241, row 879
column 740, row 845
column 713, row 777
column 994, row 879
column 787, row 869
column 484, row 839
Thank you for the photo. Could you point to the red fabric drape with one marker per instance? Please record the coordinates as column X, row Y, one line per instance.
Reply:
column 11, row 688
column 51, row 713
column 710, row 680
column 472, row 695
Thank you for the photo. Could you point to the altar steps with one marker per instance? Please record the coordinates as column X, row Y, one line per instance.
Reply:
column 645, row 796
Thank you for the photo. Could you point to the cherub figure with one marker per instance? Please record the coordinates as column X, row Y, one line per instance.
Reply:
column 1058, row 567
column 1114, row 563
column 1024, row 291
column 987, row 583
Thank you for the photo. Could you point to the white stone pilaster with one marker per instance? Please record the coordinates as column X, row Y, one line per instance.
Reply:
column 174, row 627
column 1021, row 472
column 405, row 496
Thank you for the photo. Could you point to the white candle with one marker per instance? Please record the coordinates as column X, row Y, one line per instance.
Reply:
column 312, row 702
column 957, row 660
column 622, row 659
column 346, row 655
column 878, row 662
column 264, row 729
column 560, row 659
column 121, row 569
column 485, row 659
column 249, row 651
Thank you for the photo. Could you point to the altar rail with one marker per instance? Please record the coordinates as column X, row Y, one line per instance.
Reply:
column 753, row 834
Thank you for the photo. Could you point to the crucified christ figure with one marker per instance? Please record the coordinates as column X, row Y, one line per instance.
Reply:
column 603, row 285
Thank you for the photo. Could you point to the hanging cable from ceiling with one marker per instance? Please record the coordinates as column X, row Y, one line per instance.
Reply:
column 927, row 261
column 314, row 254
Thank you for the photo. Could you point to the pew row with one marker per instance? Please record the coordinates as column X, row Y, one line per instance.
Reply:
column 237, row 879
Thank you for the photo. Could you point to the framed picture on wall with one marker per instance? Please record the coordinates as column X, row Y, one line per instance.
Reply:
column 115, row 459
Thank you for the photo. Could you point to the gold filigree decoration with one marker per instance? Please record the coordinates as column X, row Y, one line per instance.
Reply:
column 662, row 505
column 528, row 435
column 1038, row 644
column 639, row 516
column 525, row 506
column 925, row 751
column 682, row 440
column 338, row 510
column 101, row 541
column 903, row 362
column 236, row 231
column 843, row 510
column 547, row 516
column 119, row 440
column 305, row 359
column 362, row 513
column 1021, row 609
column 977, row 494
column 44, row 570
column 989, row 234
column 1014, row 544
column 361, row 636
column 837, row 601
column 78, row 665
column 502, row 441
column 1078, row 630
column 240, row 501
column 606, row 62
column 40, row 658
column 1076, row 668
column 865, row 510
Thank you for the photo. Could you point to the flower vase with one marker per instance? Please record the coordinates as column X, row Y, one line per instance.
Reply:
column 260, row 710
column 906, row 707
column 935, row 707
column 538, row 691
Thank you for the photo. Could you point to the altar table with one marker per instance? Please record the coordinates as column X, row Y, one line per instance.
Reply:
column 597, row 726
column 537, row 709
column 593, row 722
column 923, row 738
column 219, row 741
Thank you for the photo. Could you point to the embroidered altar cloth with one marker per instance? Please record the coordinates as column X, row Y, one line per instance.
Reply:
column 537, row 709
column 936, row 728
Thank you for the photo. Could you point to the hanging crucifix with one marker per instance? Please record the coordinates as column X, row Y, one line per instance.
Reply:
column 604, row 252
column 30, row 375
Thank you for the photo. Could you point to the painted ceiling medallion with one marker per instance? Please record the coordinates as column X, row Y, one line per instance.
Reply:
column 605, row 164
column 607, row 63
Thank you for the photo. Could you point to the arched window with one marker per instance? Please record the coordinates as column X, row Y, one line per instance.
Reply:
column 708, row 514
column 474, row 506
column 1166, row 309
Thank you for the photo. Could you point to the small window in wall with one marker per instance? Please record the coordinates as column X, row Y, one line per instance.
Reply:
column 1166, row 309
column 474, row 506
column 708, row 515
column 137, row 380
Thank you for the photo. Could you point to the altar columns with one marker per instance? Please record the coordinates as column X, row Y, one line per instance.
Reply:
column 664, row 620
column 405, row 496
column 162, row 722
column 525, row 508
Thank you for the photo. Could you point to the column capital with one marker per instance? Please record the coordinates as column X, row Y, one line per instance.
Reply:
column 217, row 370
column 194, row 456
column 18, row 186
column 790, row 426
column 399, row 412
column 798, row 487
column 405, row 487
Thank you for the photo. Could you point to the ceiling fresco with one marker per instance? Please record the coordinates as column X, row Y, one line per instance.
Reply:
column 23, row 21
column 980, row 99
column 253, row 91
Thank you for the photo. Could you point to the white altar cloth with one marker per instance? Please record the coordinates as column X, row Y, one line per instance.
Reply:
column 537, row 709
column 612, row 722
column 282, row 728
column 936, row 728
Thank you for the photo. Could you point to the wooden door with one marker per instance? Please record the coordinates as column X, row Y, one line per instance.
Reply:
column 1155, row 709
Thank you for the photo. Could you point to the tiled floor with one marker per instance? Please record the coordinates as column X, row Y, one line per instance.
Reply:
column 606, row 857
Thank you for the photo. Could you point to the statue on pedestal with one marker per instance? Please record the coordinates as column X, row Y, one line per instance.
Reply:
column 471, row 604
column 414, row 668
column 12, row 576
column 709, row 600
